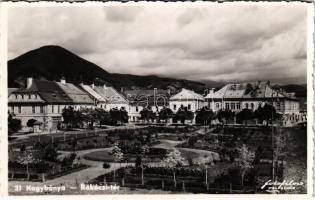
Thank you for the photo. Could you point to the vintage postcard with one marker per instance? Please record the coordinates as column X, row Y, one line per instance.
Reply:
column 196, row 99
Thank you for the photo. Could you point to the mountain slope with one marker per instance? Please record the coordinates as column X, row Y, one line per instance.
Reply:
column 54, row 62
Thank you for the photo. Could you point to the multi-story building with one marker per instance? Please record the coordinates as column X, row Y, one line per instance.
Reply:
column 79, row 98
column 40, row 100
column 237, row 96
column 99, row 101
column 156, row 99
column 187, row 98
column 113, row 99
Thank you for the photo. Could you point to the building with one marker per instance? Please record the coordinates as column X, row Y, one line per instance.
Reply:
column 40, row 100
column 113, row 99
column 79, row 98
column 99, row 101
column 156, row 99
column 187, row 98
column 237, row 96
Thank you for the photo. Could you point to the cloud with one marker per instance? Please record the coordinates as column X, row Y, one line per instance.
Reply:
column 221, row 42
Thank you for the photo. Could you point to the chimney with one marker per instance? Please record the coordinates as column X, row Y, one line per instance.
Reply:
column 93, row 86
column 211, row 91
column 169, row 91
column 29, row 82
column 206, row 92
column 63, row 80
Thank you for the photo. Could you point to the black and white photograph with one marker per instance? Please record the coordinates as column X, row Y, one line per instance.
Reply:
column 159, row 98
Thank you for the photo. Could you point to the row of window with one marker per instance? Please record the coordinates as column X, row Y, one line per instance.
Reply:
column 175, row 106
column 24, row 96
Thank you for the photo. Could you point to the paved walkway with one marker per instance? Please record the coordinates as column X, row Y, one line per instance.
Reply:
column 96, row 169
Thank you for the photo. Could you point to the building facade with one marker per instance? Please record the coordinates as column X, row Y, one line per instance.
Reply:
column 237, row 96
column 187, row 98
column 40, row 100
column 155, row 99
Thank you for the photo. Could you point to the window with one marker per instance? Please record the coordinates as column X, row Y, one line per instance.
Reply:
column 232, row 106
column 227, row 106
column 217, row 105
column 29, row 96
column 58, row 108
column 189, row 106
column 33, row 109
column 238, row 106
column 12, row 109
column 252, row 106
column 246, row 105
column 22, row 96
column 278, row 105
column 35, row 96
column 174, row 107
column 52, row 109
column 19, row 109
column 16, row 96
column 137, row 109
column 41, row 109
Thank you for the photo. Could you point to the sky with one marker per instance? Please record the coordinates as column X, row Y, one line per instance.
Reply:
column 218, row 42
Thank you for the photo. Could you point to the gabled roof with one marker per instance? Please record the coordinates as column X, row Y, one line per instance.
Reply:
column 92, row 93
column 111, row 95
column 49, row 91
column 246, row 90
column 187, row 94
column 75, row 94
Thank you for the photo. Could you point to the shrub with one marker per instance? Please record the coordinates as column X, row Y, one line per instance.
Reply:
column 106, row 165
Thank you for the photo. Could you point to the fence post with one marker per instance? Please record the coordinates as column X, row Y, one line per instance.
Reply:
column 162, row 183
column 183, row 185
column 43, row 177
column 105, row 180
column 230, row 187
column 122, row 182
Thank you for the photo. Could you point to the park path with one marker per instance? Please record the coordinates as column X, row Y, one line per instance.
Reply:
column 96, row 169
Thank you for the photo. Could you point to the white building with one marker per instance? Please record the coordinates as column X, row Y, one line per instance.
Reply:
column 187, row 98
column 237, row 96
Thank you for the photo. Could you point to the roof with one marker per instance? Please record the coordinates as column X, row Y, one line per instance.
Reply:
column 187, row 94
column 92, row 93
column 148, row 97
column 111, row 95
column 75, row 94
column 247, row 90
column 10, row 90
column 48, row 90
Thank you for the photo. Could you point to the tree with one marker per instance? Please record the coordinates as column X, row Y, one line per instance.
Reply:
column 118, row 116
column 173, row 160
column 184, row 114
column 225, row 114
column 245, row 115
column 50, row 153
column 204, row 116
column 14, row 125
column 144, row 151
column 26, row 158
column 246, row 158
column 72, row 117
column 30, row 123
column 267, row 112
column 166, row 114
column 147, row 114
column 118, row 156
